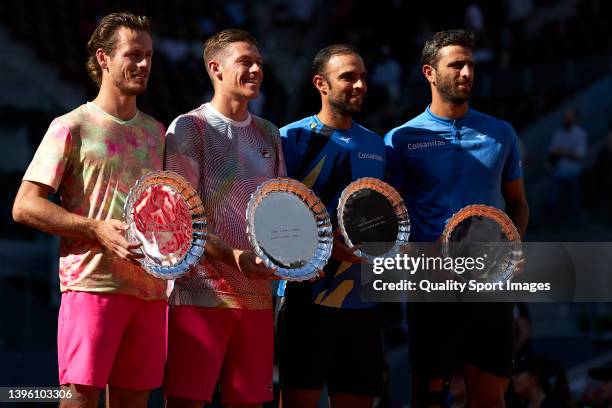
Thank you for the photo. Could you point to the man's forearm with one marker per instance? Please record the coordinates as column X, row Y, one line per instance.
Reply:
column 42, row 214
column 245, row 261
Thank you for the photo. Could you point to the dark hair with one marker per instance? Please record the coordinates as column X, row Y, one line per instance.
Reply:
column 222, row 39
column 104, row 37
column 320, row 60
column 443, row 39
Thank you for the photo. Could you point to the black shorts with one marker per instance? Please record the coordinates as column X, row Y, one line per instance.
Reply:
column 319, row 345
column 446, row 336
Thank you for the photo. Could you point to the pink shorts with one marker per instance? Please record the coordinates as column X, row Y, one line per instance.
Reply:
column 105, row 338
column 234, row 346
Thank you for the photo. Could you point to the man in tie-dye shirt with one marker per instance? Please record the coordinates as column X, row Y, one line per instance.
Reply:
column 220, row 320
column 111, row 323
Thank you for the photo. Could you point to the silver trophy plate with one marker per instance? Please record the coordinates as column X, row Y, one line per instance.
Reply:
column 289, row 228
column 372, row 214
column 166, row 216
column 484, row 231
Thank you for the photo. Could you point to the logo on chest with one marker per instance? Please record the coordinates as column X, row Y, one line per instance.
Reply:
column 425, row 145
column 369, row 156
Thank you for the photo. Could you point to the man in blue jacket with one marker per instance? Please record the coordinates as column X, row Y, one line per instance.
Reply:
column 446, row 158
column 326, row 335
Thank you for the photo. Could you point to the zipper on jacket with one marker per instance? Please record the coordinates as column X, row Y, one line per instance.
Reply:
column 454, row 132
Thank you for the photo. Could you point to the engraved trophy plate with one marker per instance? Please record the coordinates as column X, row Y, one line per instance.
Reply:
column 372, row 214
column 165, row 214
column 484, row 231
column 289, row 228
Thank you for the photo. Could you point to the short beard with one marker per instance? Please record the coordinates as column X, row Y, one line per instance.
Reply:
column 449, row 94
column 344, row 108
column 341, row 107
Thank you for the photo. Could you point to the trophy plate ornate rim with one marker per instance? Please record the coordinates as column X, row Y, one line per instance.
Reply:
column 396, row 202
column 507, row 228
column 177, row 264
column 320, row 216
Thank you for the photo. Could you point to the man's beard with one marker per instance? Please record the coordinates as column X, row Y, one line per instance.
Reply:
column 448, row 92
column 343, row 107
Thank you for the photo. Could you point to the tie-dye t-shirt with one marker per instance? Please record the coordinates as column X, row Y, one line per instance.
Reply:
column 225, row 161
column 92, row 159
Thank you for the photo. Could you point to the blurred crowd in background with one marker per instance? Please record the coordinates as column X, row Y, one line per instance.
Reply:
column 542, row 65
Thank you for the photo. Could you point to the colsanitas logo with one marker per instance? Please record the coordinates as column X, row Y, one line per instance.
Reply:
column 425, row 145
column 369, row 156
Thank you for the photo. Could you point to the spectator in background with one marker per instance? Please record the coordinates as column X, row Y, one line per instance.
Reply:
column 519, row 10
column 234, row 9
column 603, row 174
column 388, row 74
column 541, row 383
column 302, row 11
column 566, row 151
column 598, row 392
column 474, row 18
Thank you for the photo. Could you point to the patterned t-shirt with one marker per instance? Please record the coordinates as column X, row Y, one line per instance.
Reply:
column 225, row 161
column 92, row 159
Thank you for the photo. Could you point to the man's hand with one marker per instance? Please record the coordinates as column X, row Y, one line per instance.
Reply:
column 111, row 234
column 32, row 207
column 253, row 266
column 342, row 252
